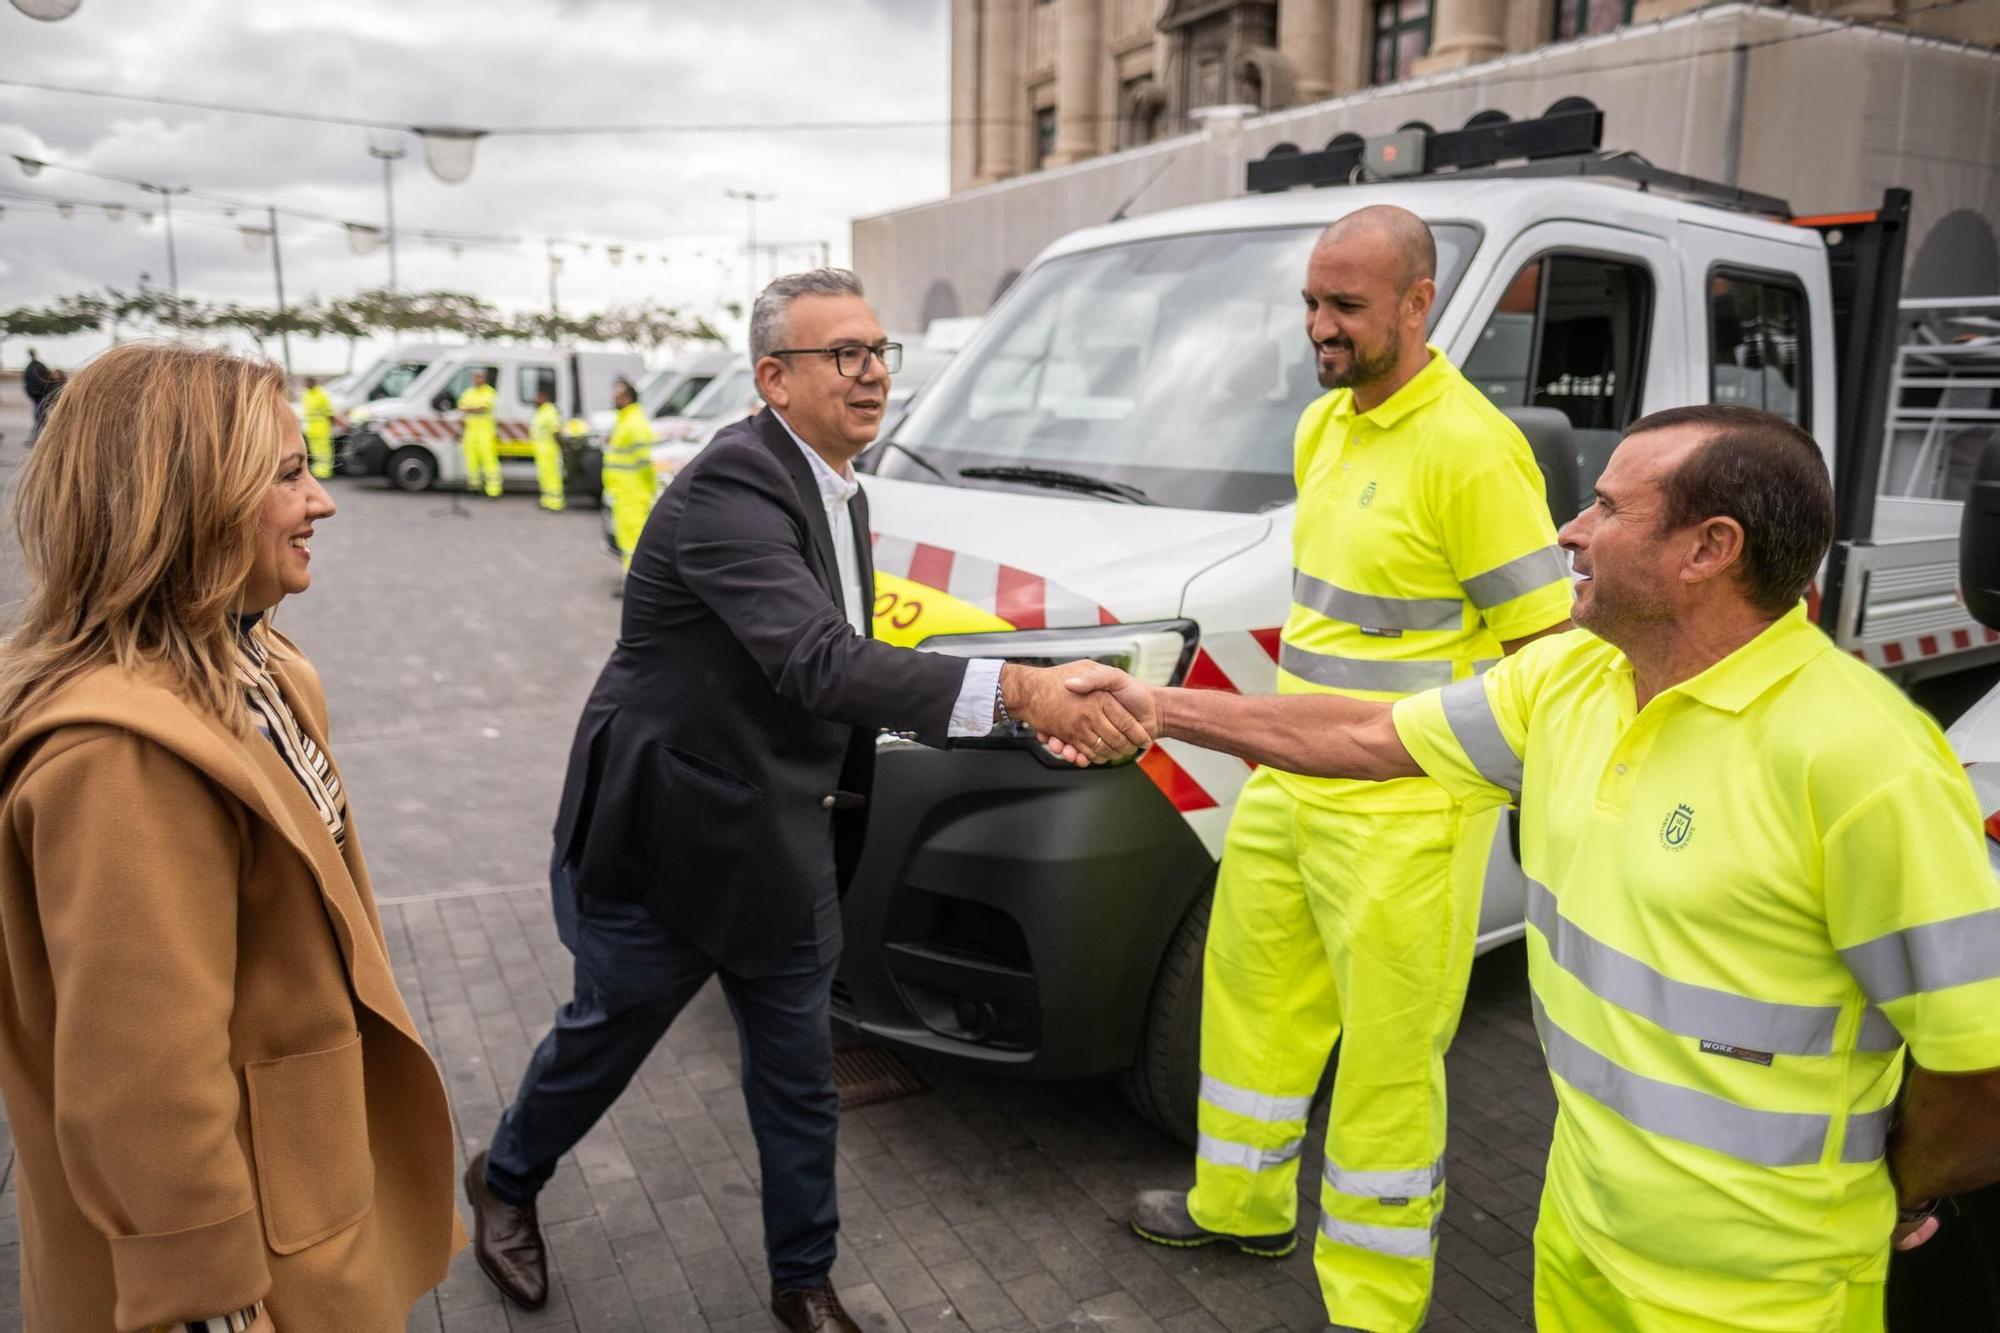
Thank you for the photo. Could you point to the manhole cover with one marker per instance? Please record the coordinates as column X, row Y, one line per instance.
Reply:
column 869, row 1074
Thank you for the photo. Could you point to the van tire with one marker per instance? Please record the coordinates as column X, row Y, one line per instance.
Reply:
column 411, row 469
column 1161, row 1084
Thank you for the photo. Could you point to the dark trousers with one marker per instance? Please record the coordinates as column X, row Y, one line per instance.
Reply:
column 633, row 977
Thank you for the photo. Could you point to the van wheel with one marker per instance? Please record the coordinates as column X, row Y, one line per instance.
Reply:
column 411, row 469
column 1161, row 1085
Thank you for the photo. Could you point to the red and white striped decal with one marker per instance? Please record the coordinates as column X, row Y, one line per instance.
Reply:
column 1023, row 600
column 438, row 428
column 1897, row 652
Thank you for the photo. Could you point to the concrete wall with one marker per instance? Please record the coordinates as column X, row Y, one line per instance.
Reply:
column 1832, row 115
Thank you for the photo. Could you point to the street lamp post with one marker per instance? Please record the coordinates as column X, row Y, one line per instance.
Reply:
column 389, row 155
column 278, row 271
column 173, row 262
column 751, row 198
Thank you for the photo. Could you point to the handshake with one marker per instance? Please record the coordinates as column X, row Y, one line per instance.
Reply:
column 1085, row 712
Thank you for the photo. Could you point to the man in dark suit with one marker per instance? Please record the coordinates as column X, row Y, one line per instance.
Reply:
column 36, row 382
column 718, row 784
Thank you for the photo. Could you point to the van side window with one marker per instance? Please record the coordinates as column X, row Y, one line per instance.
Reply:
column 463, row 379
column 531, row 380
column 1570, row 333
column 1757, row 344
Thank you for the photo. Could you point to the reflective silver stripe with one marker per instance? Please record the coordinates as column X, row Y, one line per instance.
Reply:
column 1694, row 1011
column 1401, row 1242
column 1518, row 577
column 1931, row 957
column 1877, row 1032
column 1478, row 732
column 1768, row 1138
column 1386, row 1184
column 1363, row 673
column 1360, row 608
column 1222, row 1152
column 1867, row 1135
column 1256, row 1105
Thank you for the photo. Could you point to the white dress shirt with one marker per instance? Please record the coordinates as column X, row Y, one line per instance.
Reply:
column 972, row 715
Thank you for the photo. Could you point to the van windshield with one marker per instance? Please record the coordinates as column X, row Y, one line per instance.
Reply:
column 1178, row 365
column 397, row 377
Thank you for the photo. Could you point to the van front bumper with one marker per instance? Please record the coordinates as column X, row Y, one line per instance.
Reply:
column 1008, row 911
column 366, row 453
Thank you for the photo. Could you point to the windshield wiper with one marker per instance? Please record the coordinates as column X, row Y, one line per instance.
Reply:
column 1057, row 479
column 916, row 458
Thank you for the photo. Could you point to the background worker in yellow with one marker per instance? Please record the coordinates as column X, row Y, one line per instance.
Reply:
column 543, row 430
column 1422, row 550
column 1756, row 876
column 629, row 479
column 481, row 444
column 317, row 409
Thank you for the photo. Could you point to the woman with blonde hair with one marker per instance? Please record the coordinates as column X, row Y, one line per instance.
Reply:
column 223, row 1115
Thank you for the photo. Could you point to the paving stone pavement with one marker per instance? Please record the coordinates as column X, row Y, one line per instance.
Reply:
column 456, row 654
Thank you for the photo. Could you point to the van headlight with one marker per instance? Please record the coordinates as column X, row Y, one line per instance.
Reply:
column 1157, row 652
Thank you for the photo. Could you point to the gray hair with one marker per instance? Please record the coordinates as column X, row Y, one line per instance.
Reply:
column 768, row 317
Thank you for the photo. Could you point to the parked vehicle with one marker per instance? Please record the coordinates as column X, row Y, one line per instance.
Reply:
column 413, row 439
column 1106, row 471
column 730, row 396
column 388, row 376
column 667, row 392
column 385, row 377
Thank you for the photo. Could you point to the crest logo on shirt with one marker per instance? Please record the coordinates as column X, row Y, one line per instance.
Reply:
column 1368, row 495
column 1679, row 828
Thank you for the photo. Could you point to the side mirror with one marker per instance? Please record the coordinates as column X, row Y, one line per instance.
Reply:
column 443, row 403
column 1979, row 538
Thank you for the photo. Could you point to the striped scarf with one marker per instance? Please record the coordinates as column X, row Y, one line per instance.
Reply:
column 275, row 722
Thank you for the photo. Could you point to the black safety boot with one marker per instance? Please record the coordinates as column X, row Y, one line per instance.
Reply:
column 1161, row 1216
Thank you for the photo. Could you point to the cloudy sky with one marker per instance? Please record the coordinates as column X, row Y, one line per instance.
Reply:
column 463, row 62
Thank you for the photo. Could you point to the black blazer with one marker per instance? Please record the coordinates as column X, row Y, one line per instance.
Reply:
column 730, row 740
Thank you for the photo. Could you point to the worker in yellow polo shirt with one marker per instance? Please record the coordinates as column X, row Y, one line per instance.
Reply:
column 481, row 443
column 316, row 406
column 1422, row 551
column 1756, row 880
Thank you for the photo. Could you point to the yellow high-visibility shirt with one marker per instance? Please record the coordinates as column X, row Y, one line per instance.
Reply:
column 477, row 399
column 317, row 406
column 1743, row 901
column 544, row 426
column 628, row 453
column 1422, row 540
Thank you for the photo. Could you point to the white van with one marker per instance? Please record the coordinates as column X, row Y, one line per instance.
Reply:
column 667, row 392
column 1106, row 471
column 413, row 439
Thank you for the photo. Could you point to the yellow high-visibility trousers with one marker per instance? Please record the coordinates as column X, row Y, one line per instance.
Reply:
column 629, row 492
column 1351, row 926
column 1573, row 1294
column 319, row 449
column 549, row 473
column 482, row 457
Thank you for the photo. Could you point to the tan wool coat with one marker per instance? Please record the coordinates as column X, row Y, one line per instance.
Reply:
column 216, row 1092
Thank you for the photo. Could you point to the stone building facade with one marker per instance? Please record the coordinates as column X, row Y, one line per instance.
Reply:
column 1048, row 83
column 1823, row 111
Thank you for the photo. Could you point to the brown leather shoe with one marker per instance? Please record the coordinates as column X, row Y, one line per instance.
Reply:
column 812, row 1310
column 507, row 1242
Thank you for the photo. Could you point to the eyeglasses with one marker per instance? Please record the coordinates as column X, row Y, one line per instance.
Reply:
column 852, row 361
